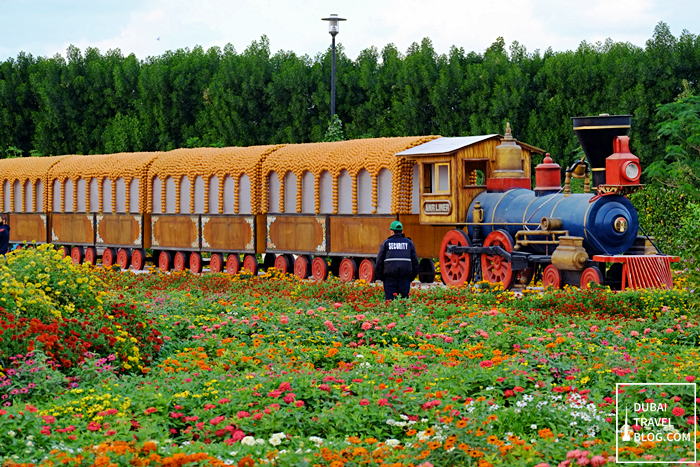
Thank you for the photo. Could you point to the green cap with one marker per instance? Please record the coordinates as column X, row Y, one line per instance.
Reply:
column 396, row 225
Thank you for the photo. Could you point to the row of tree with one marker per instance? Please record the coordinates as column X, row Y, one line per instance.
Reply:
column 102, row 103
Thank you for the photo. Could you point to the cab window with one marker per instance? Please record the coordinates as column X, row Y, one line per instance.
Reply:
column 436, row 178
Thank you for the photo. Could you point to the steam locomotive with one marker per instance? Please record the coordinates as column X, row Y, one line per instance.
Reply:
column 319, row 208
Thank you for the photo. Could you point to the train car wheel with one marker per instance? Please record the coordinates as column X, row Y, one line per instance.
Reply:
column 196, row 263
column 302, row 266
column 138, row 259
column 180, row 261
column 90, row 255
column 367, row 270
column 551, row 277
column 426, row 271
column 233, row 264
column 165, row 261
column 455, row 269
column 319, row 269
column 495, row 268
column 269, row 261
column 524, row 277
column 283, row 265
column 76, row 254
column 348, row 270
column 108, row 257
column 65, row 250
column 589, row 275
column 124, row 258
column 216, row 263
column 250, row 263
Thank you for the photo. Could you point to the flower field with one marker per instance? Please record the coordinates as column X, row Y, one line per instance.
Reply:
column 104, row 368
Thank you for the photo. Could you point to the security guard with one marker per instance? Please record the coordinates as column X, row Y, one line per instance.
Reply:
column 397, row 263
column 4, row 235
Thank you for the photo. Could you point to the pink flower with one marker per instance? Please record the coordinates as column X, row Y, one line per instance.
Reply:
column 258, row 416
column 337, row 305
column 678, row 411
column 209, row 406
column 366, row 326
column 364, row 402
column 325, row 387
column 224, row 401
column 284, row 320
column 193, row 418
column 486, row 364
column 289, row 398
column 110, row 432
column 383, row 402
column 299, row 403
column 94, row 426
column 285, row 386
column 542, row 464
column 449, row 340
column 391, row 325
column 647, row 331
column 46, row 430
column 200, row 425
column 49, row 419
column 176, row 415
column 243, row 414
column 598, row 461
column 633, row 334
column 690, row 378
column 669, row 331
column 217, row 420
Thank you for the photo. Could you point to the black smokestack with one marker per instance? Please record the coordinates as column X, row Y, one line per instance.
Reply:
column 596, row 135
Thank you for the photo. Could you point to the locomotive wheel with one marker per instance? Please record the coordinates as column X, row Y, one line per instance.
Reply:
column 348, row 270
column 180, row 261
column 496, row 268
column 138, row 259
column 283, row 265
column 233, row 264
column 524, row 277
column 589, row 275
column 319, row 269
column 269, row 261
column 302, row 266
column 367, row 270
column 123, row 258
column 108, row 257
column 76, row 254
column 551, row 277
column 426, row 271
column 455, row 269
column 196, row 263
column 90, row 255
column 216, row 263
column 250, row 263
column 165, row 261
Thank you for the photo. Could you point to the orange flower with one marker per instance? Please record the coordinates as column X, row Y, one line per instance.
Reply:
column 247, row 461
column 462, row 423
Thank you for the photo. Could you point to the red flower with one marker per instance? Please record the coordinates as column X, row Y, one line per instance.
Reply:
column 217, row 420
column 150, row 410
column 46, row 430
column 678, row 411
column 94, row 426
column 383, row 402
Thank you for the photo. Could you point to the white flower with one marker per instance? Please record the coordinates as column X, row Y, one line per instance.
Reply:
column 277, row 438
column 11, row 434
column 534, row 427
column 359, row 355
column 391, row 422
column 260, row 441
column 248, row 441
column 30, row 444
column 392, row 442
column 315, row 439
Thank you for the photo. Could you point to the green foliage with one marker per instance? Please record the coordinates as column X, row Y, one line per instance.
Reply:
column 12, row 152
column 335, row 130
column 687, row 238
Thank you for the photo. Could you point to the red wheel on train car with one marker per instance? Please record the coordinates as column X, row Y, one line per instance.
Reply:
column 589, row 275
column 124, row 258
column 495, row 268
column 551, row 277
column 250, row 264
column 455, row 269
column 180, row 261
column 319, row 269
column 76, row 254
column 108, row 257
column 65, row 250
column 367, row 269
column 348, row 270
column 216, row 263
column 302, row 266
column 90, row 255
column 283, row 265
column 165, row 261
column 196, row 262
column 233, row 264
column 138, row 259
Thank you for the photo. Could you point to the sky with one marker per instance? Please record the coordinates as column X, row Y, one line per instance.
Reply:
column 151, row 27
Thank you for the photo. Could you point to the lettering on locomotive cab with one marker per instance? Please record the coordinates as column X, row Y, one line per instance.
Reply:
column 437, row 208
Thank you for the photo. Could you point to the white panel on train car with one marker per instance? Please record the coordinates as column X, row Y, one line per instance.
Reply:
column 185, row 193
column 28, row 191
column 69, row 195
column 213, row 195
column 415, row 201
column 56, row 195
column 157, row 195
column 325, row 189
column 344, row 193
column 273, row 192
column 244, row 204
column 290, row 192
column 364, row 192
column 134, row 195
column 308, row 198
column 384, row 180
column 81, row 195
column 170, row 198
column 198, row 195
column 120, row 186
column 18, row 196
column 94, row 196
column 39, row 196
column 229, row 193
column 106, row 195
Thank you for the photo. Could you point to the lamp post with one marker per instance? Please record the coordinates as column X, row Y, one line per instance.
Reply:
column 333, row 29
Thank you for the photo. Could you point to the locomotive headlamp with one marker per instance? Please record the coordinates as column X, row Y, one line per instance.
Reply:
column 631, row 171
column 620, row 225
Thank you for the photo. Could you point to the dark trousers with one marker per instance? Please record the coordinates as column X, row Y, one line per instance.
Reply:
column 394, row 288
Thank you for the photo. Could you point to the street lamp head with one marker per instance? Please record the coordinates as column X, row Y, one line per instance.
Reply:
column 333, row 28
